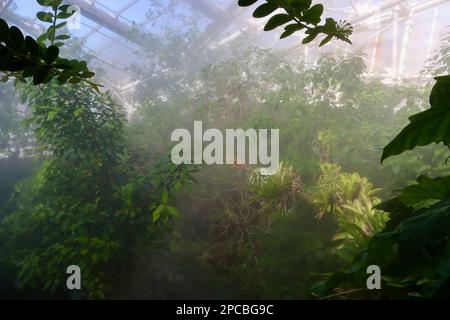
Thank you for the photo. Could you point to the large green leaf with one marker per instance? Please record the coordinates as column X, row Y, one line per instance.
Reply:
column 398, row 212
column 430, row 126
column 429, row 227
column 439, row 97
column 427, row 127
column 426, row 189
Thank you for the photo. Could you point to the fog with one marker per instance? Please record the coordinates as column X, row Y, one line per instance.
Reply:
column 161, row 177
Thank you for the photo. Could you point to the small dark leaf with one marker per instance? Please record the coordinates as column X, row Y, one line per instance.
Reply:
column 52, row 54
column 62, row 37
column 40, row 76
column 88, row 74
column 65, row 7
column 265, row 9
column 64, row 15
column 246, row 3
column 94, row 85
column 45, row 16
column 75, row 80
column 3, row 51
column 60, row 25
column 313, row 15
column 31, row 71
column 4, row 30
column 301, row 5
column 63, row 77
column 48, row 79
column 42, row 38
column 51, row 32
column 310, row 37
column 45, row 3
column 277, row 20
column 326, row 40
column 16, row 37
column 13, row 64
column 32, row 47
column 55, row 3
column 291, row 29
column 62, row 64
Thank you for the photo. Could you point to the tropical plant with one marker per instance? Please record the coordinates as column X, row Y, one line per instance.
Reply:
column 350, row 198
column 275, row 193
column 301, row 15
column 25, row 57
column 413, row 250
column 336, row 188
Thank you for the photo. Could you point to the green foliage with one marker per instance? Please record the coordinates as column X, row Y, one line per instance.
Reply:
column 426, row 190
column 100, row 202
column 413, row 249
column 336, row 188
column 25, row 57
column 350, row 198
column 87, row 205
column 301, row 15
column 9, row 119
column 429, row 126
column 275, row 193
column 283, row 262
column 337, row 119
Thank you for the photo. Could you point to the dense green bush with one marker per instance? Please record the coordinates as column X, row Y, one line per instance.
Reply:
column 88, row 205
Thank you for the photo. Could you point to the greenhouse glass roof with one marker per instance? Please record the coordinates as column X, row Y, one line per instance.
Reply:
column 117, row 32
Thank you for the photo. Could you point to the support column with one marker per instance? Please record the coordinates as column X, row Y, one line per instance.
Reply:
column 395, row 59
column 405, row 43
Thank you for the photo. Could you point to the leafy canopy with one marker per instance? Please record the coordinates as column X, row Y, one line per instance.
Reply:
column 300, row 15
column 23, row 57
